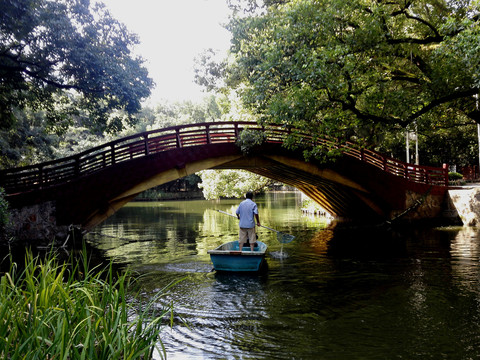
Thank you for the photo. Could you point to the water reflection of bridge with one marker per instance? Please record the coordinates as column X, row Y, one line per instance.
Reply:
column 86, row 188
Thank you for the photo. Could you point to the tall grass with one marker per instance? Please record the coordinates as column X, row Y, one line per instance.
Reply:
column 60, row 311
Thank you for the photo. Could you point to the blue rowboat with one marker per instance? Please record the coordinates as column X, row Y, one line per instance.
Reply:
column 227, row 257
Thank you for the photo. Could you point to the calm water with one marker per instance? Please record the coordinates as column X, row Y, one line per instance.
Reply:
column 330, row 294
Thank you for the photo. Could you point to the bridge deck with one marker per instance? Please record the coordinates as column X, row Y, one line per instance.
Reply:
column 57, row 172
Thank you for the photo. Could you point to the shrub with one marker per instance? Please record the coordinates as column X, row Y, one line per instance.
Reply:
column 248, row 139
column 454, row 176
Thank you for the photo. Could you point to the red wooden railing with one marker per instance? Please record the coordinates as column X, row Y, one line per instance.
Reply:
column 152, row 142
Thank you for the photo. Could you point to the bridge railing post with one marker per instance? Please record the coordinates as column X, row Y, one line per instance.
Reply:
column 147, row 148
column 40, row 177
column 207, row 131
column 236, row 131
column 112, row 152
column 76, row 166
column 179, row 139
column 445, row 173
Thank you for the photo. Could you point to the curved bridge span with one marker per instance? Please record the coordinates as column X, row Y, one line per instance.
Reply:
column 86, row 188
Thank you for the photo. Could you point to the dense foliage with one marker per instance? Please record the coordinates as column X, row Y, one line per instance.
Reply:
column 249, row 139
column 218, row 184
column 70, row 62
column 359, row 70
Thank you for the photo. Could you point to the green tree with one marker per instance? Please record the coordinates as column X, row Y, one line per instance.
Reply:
column 27, row 142
column 230, row 183
column 180, row 113
column 358, row 69
column 63, row 56
column 452, row 142
column 30, row 141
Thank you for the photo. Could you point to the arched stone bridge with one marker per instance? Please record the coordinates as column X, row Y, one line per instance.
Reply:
column 86, row 188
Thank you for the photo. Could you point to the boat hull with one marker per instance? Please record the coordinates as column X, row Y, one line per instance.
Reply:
column 227, row 257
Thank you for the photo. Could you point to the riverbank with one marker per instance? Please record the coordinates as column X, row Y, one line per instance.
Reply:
column 166, row 196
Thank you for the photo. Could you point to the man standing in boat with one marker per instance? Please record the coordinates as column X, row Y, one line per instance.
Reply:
column 247, row 212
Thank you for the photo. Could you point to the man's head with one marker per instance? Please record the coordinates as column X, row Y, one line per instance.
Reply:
column 249, row 195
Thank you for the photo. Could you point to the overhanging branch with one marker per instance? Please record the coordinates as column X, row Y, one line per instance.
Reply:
column 443, row 100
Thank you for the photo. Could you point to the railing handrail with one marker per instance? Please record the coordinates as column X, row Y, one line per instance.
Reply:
column 66, row 169
column 118, row 141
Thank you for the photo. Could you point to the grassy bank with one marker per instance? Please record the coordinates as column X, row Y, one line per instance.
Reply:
column 50, row 310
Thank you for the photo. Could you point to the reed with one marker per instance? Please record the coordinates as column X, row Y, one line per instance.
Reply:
column 53, row 310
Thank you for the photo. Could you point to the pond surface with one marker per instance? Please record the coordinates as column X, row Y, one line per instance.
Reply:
column 330, row 294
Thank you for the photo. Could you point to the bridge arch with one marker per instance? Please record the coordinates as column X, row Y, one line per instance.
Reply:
column 87, row 188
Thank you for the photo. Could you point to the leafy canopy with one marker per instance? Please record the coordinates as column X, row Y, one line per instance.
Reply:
column 356, row 69
column 61, row 56
column 230, row 183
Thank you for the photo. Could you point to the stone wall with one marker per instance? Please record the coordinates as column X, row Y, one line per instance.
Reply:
column 466, row 203
column 423, row 206
column 37, row 222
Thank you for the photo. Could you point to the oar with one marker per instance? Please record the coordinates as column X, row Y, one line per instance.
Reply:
column 281, row 237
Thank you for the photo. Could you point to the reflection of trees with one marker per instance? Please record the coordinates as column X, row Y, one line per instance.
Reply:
column 319, row 241
column 164, row 232
column 278, row 210
column 216, row 229
column 145, row 233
